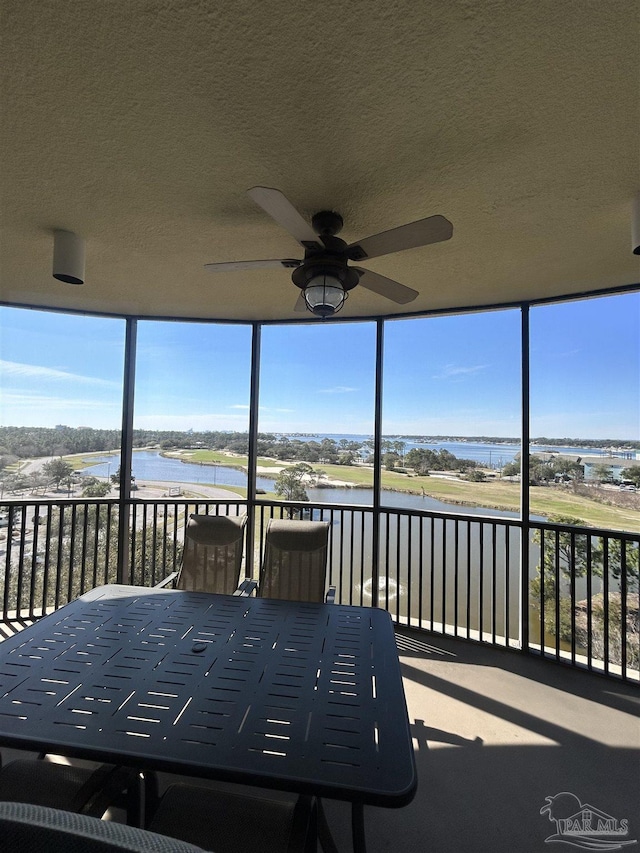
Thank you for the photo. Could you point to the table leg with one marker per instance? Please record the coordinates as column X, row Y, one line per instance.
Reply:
column 357, row 828
column 324, row 833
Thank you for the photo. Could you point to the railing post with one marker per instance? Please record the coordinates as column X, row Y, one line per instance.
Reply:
column 525, row 507
column 126, row 449
column 252, row 459
column 377, row 462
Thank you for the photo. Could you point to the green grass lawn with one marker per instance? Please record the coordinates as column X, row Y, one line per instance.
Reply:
column 209, row 457
column 497, row 494
column 356, row 474
column 219, row 457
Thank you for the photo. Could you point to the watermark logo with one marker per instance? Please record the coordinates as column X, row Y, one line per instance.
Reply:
column 585, row 826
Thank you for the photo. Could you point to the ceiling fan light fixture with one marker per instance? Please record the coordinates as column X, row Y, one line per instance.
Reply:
column 325, row 276
column 324, row 295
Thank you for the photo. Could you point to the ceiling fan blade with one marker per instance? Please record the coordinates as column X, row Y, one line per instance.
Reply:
column 386, row 287
column 433, row 229
column 278, row 206
column 231, row 266
column 300, row 305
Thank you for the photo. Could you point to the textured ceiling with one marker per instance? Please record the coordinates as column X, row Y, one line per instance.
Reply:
column 140, row 124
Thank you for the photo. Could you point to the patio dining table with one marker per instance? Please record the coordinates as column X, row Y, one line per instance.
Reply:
column 301, row 697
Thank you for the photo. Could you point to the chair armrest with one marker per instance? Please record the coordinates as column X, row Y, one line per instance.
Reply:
column 330, row 597
column 166, row 581
column 246, row 588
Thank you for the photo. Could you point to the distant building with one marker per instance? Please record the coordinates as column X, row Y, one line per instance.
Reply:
column 615, row 463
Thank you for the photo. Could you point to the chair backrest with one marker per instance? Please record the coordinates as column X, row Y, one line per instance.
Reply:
column 27, row 827
column 212, row 555
column 295, row 560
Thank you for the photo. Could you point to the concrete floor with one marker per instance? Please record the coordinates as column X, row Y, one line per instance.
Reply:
column 495, row 734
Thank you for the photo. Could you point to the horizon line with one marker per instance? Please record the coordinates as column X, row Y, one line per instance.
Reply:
column 487, row 439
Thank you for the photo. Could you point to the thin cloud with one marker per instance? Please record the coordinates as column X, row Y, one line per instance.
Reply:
column 49, row 374
column 569, row 352
column 454, row 371
column 239, row 406
column 559, row 353
column 337, row 389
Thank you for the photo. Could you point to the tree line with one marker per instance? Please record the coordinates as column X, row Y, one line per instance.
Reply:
column 31, row 442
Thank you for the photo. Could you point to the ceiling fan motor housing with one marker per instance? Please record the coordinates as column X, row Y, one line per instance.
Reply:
column 328, row 260
column 327, row 223
column 337, row 268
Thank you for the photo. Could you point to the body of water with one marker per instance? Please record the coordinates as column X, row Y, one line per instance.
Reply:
column 492, row 455
column 401, row 500
column 150, row 465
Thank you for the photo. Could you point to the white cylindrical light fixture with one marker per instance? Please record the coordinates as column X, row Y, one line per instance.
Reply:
column 68, row 257
column 324, row 295
column 635, row 225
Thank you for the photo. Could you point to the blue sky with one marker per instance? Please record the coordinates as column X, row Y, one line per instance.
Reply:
column 442, row 375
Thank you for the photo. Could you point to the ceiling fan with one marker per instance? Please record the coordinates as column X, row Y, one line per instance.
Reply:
column 325, row 276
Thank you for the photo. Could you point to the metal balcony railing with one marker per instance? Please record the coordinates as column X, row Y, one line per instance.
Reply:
column 566, row 593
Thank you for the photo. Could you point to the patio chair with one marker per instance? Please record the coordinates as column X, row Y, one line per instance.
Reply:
column 72, row 788
column 212, row 556
column 228, row 822
column 25, row 827
column 294, row 562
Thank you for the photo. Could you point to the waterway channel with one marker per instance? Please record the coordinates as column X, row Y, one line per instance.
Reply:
column 149, row 465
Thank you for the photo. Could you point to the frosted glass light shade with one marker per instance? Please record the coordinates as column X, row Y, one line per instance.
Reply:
column 324, row 295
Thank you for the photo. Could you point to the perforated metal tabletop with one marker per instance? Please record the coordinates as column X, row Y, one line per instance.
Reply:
column 302, row 697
